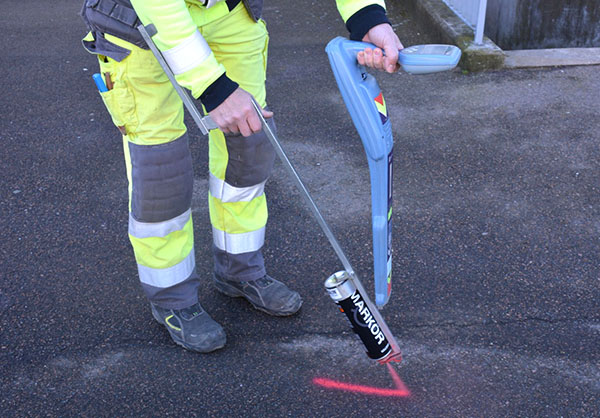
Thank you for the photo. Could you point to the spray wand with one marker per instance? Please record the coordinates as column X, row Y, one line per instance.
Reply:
column 344, row 287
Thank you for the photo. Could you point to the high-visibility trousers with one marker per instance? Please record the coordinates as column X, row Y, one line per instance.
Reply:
column 148, row 111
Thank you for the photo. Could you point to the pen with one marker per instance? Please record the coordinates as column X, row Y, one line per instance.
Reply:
column 99, row 83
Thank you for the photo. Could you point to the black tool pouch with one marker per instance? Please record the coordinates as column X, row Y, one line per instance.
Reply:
column 254, row 7
column 115, row 17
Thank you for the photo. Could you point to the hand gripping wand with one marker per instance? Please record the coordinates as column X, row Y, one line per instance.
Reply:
column 371, row 328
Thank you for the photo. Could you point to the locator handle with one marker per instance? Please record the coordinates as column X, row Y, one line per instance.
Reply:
column 417, row 59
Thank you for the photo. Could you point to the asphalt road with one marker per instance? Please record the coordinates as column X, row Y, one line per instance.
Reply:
column 496, row 221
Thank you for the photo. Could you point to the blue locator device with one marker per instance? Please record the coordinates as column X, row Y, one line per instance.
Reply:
column 366, row 105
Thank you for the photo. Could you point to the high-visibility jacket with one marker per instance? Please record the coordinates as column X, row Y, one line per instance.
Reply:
column 194, row 64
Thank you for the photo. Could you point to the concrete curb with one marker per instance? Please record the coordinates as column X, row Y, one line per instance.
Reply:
column 527, row 58
column 440, row 19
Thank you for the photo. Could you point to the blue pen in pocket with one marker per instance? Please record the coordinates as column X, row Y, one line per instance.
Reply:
column 99, row 83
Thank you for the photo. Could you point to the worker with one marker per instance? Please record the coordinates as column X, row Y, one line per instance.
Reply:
column 218, row 50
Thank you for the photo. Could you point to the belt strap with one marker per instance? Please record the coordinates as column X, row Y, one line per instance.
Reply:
column 117, row 11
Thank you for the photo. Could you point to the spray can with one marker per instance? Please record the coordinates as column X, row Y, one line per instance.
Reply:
column 346, row 295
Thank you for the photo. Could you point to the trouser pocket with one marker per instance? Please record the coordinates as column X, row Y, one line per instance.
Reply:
column 119, row 100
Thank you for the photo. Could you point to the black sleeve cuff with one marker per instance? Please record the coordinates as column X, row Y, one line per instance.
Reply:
column 217, row 92
column 362, row 21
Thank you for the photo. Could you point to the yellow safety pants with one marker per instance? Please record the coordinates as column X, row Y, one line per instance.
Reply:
column 148, row 111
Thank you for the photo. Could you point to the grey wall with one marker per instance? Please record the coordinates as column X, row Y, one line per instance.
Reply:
column 533, row 24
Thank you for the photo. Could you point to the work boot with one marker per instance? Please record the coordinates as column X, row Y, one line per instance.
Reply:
column 191, row 327
column 265, row 294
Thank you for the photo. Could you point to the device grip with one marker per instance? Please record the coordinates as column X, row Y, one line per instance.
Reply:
column 412, row 63
column 352, row 48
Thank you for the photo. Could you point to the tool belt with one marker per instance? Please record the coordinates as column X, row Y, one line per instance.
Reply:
column 118, row 18
column 115, row 17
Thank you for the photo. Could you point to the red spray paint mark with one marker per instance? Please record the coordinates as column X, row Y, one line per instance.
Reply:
column 401, row 391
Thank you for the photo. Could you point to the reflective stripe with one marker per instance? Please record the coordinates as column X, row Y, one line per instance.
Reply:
column 158, row 229
column 164, row 252
column 239, row 243
column 211, row 3
column 171, row 275
column 227, row 193
column 187, row 55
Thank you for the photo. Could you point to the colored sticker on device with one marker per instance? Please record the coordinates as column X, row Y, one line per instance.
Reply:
column 381, row 108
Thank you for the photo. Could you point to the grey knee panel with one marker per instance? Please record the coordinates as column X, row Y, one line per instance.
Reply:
column 162, row 180
column 251, row 158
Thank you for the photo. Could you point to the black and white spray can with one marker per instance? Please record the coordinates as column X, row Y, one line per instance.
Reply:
column 343, row 291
